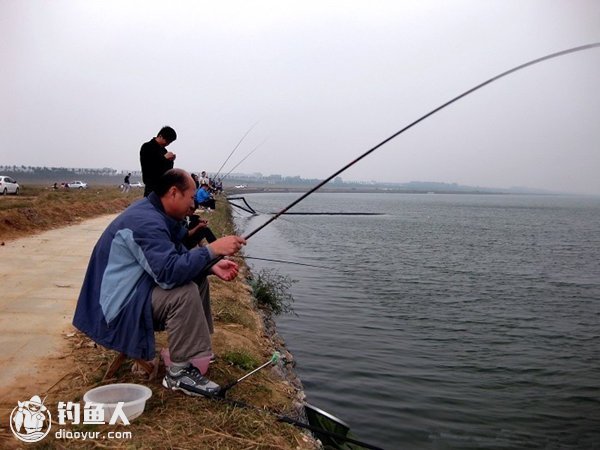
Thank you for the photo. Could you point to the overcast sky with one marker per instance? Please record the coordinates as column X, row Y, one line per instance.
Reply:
column 85, row 83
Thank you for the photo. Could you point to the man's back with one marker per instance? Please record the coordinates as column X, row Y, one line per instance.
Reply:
column 154, row 164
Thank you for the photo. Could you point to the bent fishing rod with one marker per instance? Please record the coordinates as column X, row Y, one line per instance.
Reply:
column 412, row 124
column 235, row 148
column 420, row 119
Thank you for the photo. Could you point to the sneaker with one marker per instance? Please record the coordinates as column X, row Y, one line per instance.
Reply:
column 190, row 381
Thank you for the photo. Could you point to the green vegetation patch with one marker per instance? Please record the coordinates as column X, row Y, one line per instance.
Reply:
column 272, row 291
column 241, row 359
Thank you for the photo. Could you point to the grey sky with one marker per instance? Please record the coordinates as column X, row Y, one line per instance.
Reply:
column 85, row 83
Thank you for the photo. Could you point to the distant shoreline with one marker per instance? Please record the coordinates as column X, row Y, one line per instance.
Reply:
column 46, row 177
column 285, row 190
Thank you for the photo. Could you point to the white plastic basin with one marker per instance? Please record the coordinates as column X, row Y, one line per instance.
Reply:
column 134, row 397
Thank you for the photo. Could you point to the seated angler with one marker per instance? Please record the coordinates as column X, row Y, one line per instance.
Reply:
column 198, row 230
column 141, row 278
column 204, row 198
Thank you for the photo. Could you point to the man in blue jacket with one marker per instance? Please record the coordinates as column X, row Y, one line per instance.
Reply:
column 141, row 278
column 203, row 197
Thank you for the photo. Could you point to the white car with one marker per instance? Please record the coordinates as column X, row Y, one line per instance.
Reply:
column 77, row 185
column 137, row 184
column 240, row 186
column 8, row 186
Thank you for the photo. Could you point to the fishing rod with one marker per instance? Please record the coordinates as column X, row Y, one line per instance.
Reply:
column 235, row 148
column 420, row 119
column 407, row 127
column 286, row 262
column 244, row 159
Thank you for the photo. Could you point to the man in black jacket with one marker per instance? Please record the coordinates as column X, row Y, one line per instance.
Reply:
column 155, row 159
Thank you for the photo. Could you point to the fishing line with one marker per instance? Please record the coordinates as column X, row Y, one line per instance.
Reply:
column 398, row 133
column 289, row 220
column 295, row 223
column 235, row 148
column 287, row 262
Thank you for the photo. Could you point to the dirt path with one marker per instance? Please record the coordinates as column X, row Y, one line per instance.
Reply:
column 40, row 278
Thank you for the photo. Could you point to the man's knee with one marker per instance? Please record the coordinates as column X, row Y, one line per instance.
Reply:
column 182, row 301
column 188, row 295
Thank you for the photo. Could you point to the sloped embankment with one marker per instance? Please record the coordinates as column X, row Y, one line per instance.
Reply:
column 171, row 419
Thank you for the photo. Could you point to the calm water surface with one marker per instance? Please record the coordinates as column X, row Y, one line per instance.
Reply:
column 448, row 322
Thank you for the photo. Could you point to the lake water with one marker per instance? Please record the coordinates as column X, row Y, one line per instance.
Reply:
column 448, row 322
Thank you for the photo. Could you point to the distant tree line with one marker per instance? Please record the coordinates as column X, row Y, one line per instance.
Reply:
column 108, row 176
column 49, row 175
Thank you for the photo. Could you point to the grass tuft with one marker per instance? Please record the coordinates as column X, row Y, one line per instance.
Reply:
column 241, row 359
column 272, row 291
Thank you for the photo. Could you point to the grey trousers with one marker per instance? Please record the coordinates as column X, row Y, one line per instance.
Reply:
column 184, row 312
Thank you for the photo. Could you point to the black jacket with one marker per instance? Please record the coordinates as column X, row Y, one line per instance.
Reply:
column 154, row 164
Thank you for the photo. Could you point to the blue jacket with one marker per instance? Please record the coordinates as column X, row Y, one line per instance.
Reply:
column 139, row 250
column 202, row 195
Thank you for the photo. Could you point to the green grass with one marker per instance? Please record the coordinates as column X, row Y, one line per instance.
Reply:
column 241, row 359
column 271, row 290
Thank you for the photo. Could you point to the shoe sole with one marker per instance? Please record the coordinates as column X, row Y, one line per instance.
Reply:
column 165, row 383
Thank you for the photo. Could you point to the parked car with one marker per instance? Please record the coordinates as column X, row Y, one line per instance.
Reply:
column 8, row 186
column 77, row 185
column 137, row 184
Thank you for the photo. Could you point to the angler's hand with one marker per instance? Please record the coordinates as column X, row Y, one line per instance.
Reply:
column 227, row 245
column 170, row 156
column 225, row 269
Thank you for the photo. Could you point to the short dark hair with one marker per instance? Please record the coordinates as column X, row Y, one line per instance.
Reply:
column 168, row 133
column 173, row 177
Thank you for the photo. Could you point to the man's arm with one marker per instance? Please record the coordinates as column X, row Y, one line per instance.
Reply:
column 159, row 256
column 165, row 262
